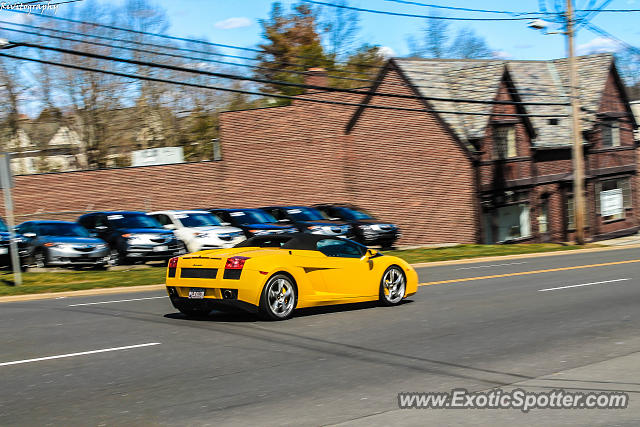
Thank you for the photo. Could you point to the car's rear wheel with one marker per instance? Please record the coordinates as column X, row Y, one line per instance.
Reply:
column 392, row 286
column 279, row 298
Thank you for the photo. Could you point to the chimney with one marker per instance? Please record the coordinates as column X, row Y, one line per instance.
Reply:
column 316, row 77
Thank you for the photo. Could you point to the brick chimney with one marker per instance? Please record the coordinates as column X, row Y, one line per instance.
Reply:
column 316, row 77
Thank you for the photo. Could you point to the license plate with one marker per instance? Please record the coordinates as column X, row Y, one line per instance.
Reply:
column 196, row 293
column 162, row 248
column 4, row 251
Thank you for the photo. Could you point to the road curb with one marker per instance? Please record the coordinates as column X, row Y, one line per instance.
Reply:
column 82, row 293
column 520, row 256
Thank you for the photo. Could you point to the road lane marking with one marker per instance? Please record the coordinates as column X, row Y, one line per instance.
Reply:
column 583, row 284
column 119, row 300
column 492, row 265
column 82, row 353
column 522, row 273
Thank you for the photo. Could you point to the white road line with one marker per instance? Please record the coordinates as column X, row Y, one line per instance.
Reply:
column 60, row 356
column 493, row 265
column 584, row 284
column 120, row 300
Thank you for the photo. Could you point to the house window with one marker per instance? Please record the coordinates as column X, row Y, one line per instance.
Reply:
column 610, row 133
column 504, row 142
column 507, row 223
column 613, row 196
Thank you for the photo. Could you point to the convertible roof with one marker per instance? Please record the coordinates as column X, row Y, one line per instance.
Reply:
column 301, row 241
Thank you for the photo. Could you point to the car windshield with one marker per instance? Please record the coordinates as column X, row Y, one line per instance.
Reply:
column 133, row 220
column 3, row 226
column 61, row 229
column 304, row 214
column 197, row 219
column 252, row 217
column 352, row 214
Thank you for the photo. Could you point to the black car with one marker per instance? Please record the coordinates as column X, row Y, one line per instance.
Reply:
column 254, row 222
column 5, row 247
column 309, row 220
column 368, row 230
column 132, row 236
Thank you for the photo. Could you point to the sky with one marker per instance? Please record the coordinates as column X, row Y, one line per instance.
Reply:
column 237, row 22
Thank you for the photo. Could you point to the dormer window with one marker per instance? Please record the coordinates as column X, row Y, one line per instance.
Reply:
column 504, row 142
column 610, row 130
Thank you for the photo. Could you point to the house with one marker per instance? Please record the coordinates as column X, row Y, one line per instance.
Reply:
column 495, row 169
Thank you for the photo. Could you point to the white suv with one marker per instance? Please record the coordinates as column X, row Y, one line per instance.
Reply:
column 199, row 230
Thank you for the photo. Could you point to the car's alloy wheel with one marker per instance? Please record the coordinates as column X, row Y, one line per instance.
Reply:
column 39, row 259
column 278, row 298
column 392, row 286
column 114, row 258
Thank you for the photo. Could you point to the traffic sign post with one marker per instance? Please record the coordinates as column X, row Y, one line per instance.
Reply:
column 6, row 182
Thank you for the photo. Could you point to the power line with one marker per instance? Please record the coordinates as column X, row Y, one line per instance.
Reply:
column 444, row 86
column 267, row 81
column 463, row 9
column 209, row 53
column 411, row 15
column 247, row 92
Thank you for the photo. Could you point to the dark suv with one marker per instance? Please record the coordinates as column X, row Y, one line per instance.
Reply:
column 309, row 220
column 368, row 230
column 254, row 222
column 132, row 236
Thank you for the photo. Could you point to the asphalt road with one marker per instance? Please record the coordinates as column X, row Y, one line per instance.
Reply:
column 331, row 366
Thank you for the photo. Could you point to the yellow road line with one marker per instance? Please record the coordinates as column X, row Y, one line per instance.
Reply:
column 522, row 273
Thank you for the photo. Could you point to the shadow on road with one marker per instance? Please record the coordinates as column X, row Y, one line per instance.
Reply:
column 243, row 316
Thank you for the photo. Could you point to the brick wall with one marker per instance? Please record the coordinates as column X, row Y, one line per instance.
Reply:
column 407, row 167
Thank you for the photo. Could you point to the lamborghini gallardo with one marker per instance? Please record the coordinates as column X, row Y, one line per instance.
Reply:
column 274, row 275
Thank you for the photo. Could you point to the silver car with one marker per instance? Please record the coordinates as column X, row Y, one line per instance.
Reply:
column 62, row 243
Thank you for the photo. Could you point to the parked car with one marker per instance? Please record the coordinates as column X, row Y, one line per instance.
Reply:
column 367, row 229
column 62, row 243
column 132, row 236
column 309, row 220
column 254, row 222
column 5, row 247
column 199, row 230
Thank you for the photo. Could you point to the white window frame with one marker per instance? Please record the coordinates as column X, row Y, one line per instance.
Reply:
column 504, row 142
column 610, row 131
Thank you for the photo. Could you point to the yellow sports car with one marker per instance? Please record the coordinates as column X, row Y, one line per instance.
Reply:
column 273, row 275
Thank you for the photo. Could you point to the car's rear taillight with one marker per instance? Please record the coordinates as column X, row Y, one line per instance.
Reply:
column 173, row 262
column 235, row 263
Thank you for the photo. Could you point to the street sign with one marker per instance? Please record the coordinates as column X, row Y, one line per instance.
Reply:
column 611, row 202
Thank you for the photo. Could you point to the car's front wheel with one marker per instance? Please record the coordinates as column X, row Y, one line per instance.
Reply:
column 40, row 259
column 392, row 286
column 279, row 298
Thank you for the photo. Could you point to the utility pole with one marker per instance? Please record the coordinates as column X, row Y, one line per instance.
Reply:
column 577, row 153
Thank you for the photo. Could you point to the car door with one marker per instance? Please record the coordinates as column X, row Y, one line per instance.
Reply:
column 347, row 275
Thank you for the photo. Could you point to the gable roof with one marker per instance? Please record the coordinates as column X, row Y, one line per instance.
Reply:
column 534, row 81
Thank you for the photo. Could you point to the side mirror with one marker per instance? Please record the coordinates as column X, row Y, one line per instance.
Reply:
column 169, row 226
column 30, row 235
column 369, row 254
